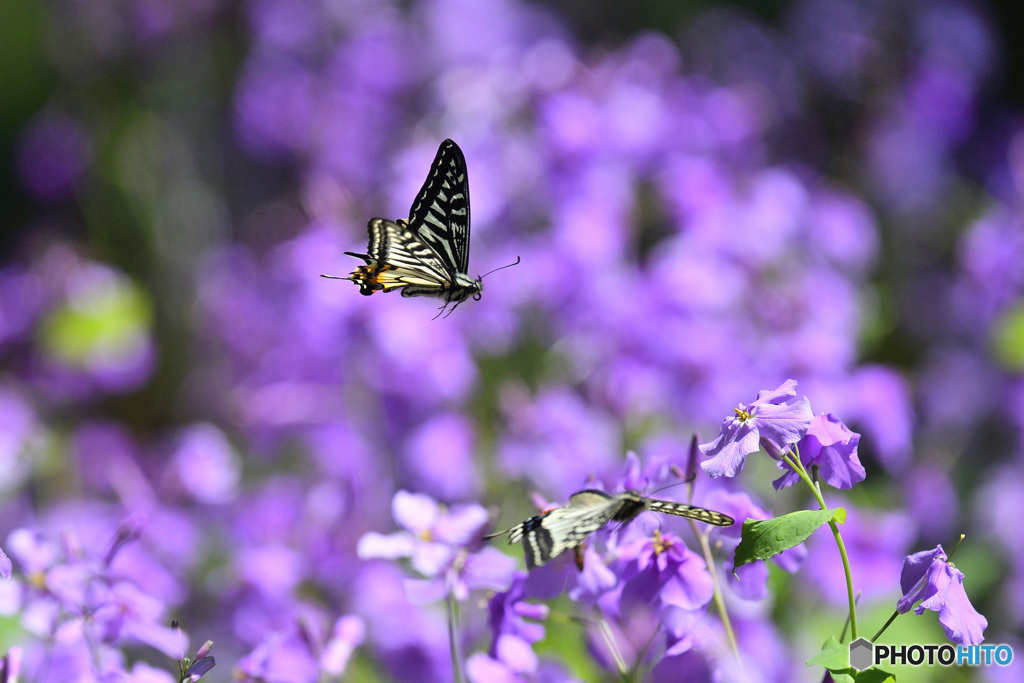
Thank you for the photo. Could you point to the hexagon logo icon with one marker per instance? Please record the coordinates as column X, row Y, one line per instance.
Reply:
column 862, row 654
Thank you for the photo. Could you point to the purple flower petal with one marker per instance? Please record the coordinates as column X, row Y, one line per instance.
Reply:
column 199, row 668
column 348, row 633
column 430, row 559
column 374, row 545
column 730, row 449
column 915, row 569
column 750, row 581
column 830, row 446
column 517, row 654
column 963, row 624
column 416, row 512
column 783, row 424
column 785, row 392
column 461, row 524
column 483, row 669
column 489, row 569
column 424, row 591
column 691, row 588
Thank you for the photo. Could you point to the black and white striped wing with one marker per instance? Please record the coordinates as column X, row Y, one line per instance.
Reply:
column 439, row 216
column 700, row 514
column 551, row 533
column 397, row 258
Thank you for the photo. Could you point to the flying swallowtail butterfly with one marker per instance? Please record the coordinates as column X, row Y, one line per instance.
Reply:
column 427, row 255
column 551, row 533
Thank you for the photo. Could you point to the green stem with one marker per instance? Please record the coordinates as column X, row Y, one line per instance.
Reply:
column 613, row 648
column 891, row 619
column 453, row 640
column 949, row 555
column 723, row 613
column 798, row 468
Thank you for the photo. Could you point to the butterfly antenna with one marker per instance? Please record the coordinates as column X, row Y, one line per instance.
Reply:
column 667, row 486
column 518, row 259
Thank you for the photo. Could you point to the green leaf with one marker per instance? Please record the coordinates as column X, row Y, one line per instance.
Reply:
column 873, row 675
column 1008, row 339
column 834, row 656
column 768, row 537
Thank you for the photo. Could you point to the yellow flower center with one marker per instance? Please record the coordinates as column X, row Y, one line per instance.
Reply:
column 36, row 579
column 660, row 544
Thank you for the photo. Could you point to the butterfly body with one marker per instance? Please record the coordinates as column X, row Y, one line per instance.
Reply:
column 555, row 531
column 428, row 254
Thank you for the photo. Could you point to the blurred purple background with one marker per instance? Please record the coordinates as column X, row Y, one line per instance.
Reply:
column 708, row 199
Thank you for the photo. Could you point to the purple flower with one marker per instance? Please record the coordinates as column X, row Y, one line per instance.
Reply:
column 81, row 608
column 202, row 664
column 433, row 533
column 929, row 577
column 509, row 613
column 348, row 634
column 513, row 660
column 5, row 565
column 412, row 642
column 281, row 656
column 775, row 421
column 543, row 431
column 830, row 447
column 206, row 465
column 662, row 570
column 436, row 541
column 439, row 457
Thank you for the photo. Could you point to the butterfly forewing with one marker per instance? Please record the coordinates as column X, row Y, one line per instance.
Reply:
column 550, row 534
column 440, row 212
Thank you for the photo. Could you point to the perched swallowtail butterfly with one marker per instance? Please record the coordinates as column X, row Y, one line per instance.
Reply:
column 428, row 255
column 551, row 533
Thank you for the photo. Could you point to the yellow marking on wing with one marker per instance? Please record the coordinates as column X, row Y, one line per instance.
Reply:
column 386, row 277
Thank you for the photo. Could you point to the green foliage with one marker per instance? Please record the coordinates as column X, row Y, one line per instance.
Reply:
column 1008, row 339
column 766, row 538
column 834, row 656
column 110, row 318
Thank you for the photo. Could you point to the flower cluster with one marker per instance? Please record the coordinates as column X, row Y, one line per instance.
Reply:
column 88, row 609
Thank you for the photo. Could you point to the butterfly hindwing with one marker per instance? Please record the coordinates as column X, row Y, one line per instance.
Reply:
column 394, row 259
